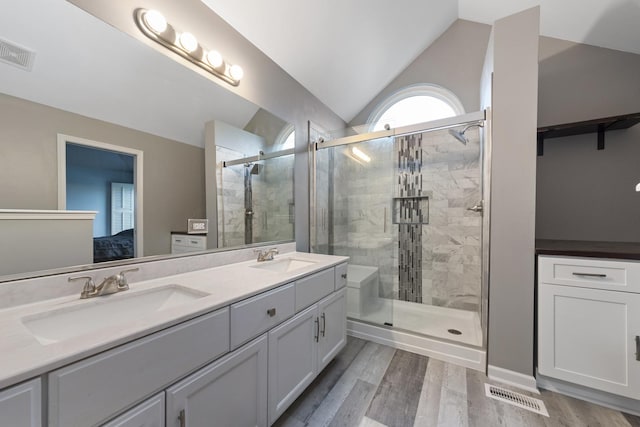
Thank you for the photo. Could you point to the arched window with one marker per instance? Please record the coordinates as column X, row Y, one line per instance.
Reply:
column 415, row 104
column 286, row 138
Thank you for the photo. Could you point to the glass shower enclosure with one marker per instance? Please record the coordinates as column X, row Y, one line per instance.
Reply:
column 406, row 205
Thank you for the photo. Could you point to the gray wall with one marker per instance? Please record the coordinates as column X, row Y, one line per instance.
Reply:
column 514, row 104
column 265, row 83
column 453, row 61
column 173, row 172
column 583, row 193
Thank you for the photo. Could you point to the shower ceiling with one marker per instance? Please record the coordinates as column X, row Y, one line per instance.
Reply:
column 345, row 52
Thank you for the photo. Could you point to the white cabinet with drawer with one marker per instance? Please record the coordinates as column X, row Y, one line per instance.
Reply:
column 20, row 405
column 589, row 323
column 253, row 316
column 302, row 347
column 184, row 243
column 92, row 390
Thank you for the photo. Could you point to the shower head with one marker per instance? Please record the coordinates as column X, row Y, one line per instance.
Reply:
column 459, row 134
column 254, row 168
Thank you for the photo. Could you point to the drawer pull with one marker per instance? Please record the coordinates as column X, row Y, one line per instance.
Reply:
column 271, row 312
column 638, row 348
column 324, row 324
column 182, row 417
column 590, row 275
column 317, row 336
column 343, row 275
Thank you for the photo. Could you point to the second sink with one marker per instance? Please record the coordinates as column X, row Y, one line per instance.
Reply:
column 283, row 265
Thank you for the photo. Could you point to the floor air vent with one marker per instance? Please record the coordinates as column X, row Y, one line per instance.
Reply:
column 11, row 53
column 516, row 399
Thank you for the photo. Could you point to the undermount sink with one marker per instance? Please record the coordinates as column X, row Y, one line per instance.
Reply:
column 105, row 312
column 283, row 265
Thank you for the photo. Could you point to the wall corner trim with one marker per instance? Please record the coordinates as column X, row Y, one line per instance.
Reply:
column 513, row 378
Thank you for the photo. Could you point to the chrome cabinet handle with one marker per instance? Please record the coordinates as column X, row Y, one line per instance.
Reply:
column 317, row 336
column 343, row 275
column 590, row 275
column 324, row 324
column 638, row 348
column 271, row 312
column 182, row 417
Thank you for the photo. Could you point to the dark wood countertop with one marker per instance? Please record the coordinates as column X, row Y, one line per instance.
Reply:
column 620, row 250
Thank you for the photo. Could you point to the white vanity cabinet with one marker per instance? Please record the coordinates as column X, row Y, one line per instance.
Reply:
column 91, row 391
column 149, row 413
column 301, row 347
column 231, row 392
column 20, row 405
column 589, row 323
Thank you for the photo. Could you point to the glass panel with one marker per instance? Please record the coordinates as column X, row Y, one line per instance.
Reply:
column 408, row 212
column 353, row 217
column 255, row 200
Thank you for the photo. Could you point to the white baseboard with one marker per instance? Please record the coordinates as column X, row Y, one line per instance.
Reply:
column 619, row 403
column 513, row 378
column 453, row 353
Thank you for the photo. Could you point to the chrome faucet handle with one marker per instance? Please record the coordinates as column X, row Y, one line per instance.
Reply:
column 122, row 279
column 89, row 288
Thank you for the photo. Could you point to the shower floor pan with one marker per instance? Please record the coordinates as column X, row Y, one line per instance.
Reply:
column 429, row 320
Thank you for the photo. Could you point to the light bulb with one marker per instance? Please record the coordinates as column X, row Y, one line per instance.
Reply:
column 214, row 58
column 638, row 187
column 188, row 41
column 236, row 72
column 155, row 21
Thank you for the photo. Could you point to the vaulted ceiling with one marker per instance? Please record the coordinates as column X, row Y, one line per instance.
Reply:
column 345, row 52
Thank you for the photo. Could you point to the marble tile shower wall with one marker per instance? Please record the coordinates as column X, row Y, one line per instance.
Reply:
column 451, row 242
column 275, row 193
column 230, row 199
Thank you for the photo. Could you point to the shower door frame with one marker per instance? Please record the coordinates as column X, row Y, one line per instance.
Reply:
column 483, row 116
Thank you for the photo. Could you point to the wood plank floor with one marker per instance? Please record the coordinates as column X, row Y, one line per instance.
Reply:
column 372, row 385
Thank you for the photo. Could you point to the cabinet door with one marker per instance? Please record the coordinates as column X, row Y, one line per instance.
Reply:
column 231, row 392
column 588, row 337
column 333, row 327
column 149, row 413
column 20, row 405
column 292, row 360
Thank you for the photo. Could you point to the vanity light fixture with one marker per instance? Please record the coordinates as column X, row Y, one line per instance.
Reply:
column 638, row 187
column 155, row 26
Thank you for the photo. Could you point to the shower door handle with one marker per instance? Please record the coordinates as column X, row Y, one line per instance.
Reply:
column 478, row 207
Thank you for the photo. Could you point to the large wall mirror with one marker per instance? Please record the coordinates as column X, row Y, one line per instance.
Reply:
column 93, row 120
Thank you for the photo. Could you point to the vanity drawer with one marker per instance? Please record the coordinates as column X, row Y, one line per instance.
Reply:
column 312, row 289
column 92, row 390
column 253, row 316
column 341, row 276
column 590, row 273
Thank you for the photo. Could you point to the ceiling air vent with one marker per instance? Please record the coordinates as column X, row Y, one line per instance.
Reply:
column 11, row 53
column 516, row 399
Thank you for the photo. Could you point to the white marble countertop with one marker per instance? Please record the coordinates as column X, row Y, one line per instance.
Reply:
column 23, row 357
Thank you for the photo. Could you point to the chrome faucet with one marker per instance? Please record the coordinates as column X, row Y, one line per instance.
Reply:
column 266, row 255
column 110, row 285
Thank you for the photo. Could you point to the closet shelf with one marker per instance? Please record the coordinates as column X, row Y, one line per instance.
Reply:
column 599, row 126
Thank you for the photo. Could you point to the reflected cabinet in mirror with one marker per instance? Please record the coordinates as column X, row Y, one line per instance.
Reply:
column 109, row 147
